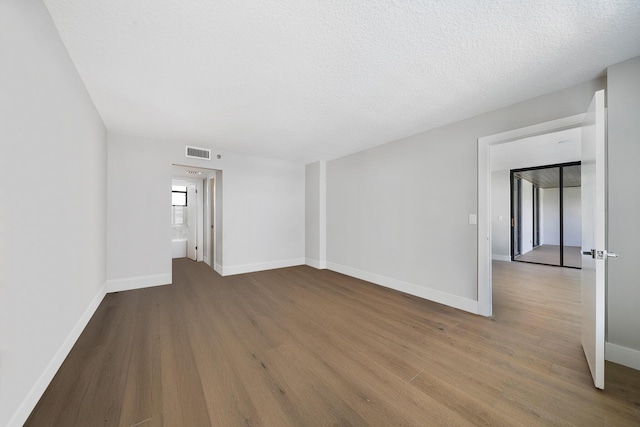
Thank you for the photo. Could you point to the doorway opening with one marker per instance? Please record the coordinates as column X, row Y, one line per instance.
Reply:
column 183, row 219
column 546, row 218
column 497, row 155
column 196, row 214
column 592, row 125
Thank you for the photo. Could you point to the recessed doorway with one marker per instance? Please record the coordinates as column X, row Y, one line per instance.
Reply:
column 196, row 218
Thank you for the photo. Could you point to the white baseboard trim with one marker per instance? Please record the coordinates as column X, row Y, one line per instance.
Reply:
column 261, row 266
column 320, row 265
column 139, row 282
column 38, row 389
column 408, row 288
column 501, row 258
column 217, row 268
column 622, row 355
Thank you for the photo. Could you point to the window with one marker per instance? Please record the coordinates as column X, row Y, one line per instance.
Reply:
column 178, row 195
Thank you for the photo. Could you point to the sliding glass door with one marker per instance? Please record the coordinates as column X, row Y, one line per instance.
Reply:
column 545, row 215
column 516, row 223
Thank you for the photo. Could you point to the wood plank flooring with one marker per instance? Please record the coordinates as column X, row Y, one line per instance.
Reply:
column 303, row 347
column 550, row 254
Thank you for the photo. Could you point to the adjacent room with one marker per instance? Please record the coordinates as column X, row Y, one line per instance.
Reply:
column 319, row 213
column 546, row 225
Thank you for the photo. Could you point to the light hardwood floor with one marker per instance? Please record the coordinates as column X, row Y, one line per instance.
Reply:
column 304, row 347
column 550, row 254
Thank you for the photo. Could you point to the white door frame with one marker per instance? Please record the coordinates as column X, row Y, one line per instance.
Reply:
column 485, row 299
column 209, row 220
column 193, row 217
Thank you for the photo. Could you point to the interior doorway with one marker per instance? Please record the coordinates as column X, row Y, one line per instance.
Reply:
column 497, row 154
column 546, row 219
column 184, row 219
column 196, row 214
column 592, row 127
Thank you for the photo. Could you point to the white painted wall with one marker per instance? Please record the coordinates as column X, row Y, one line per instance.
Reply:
column 315, row 214
column 500, row 215
column 623, row 292
column 572, row 216
column 312, row 213
column 386, row 220
column 262, row 211
column 527, row 217
column 53, row 209
column 138, row 218
column 550, row 216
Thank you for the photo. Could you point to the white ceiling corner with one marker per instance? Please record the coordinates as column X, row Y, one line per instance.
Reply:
column 310, row 80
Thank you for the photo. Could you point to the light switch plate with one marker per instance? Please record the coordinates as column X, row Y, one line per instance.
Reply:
column 473, row 219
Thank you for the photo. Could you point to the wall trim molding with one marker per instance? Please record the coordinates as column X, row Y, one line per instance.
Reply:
column 30, row 401
column 312, row 262
column 320, row 265
column 622, row 355
column 130, row 283
column 497, row 257
column 261, row 266
column 217, row 268
column 440, row 297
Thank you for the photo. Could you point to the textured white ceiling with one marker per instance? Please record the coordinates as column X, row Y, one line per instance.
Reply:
column 308, row 80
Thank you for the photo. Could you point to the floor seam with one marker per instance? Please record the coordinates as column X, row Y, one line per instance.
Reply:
column 414, row 377
column 141, row 422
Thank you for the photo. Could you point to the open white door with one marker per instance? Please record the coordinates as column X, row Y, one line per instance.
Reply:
column 594, row 254
column 192, row 224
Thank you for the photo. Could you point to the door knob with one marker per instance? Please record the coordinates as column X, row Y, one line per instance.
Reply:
column 600, row 254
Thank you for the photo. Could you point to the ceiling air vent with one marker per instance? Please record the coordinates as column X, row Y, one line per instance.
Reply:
column 198, row 153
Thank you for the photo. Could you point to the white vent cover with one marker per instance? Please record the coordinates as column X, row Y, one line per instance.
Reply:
column 198, row 153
